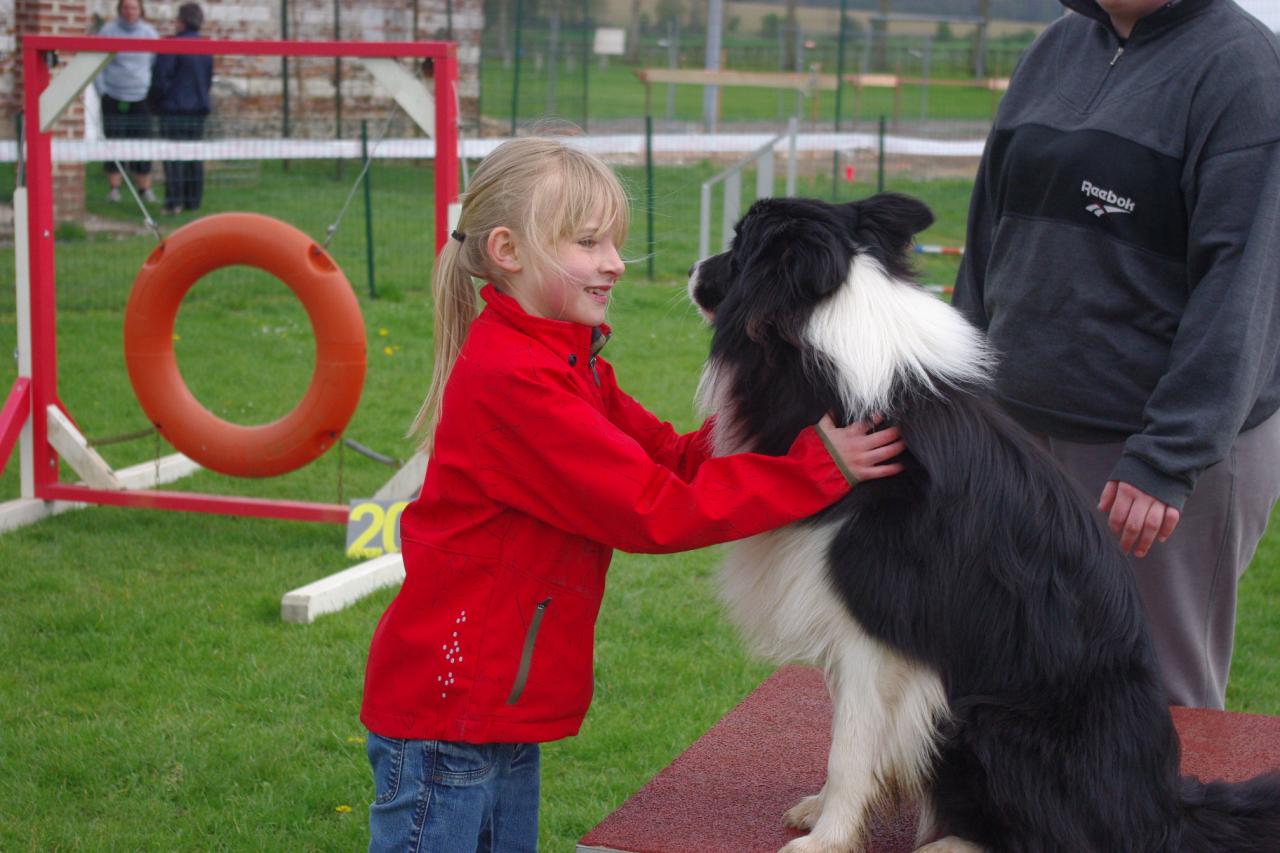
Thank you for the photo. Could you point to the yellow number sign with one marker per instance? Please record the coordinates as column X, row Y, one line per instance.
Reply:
column 373, row 528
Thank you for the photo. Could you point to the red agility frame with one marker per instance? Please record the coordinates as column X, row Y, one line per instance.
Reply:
column 30, row 397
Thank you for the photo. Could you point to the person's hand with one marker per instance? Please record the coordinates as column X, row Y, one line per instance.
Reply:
column 1136, row 517
column 865, row 453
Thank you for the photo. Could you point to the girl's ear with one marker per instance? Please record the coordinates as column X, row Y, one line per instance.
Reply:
column 502, row 250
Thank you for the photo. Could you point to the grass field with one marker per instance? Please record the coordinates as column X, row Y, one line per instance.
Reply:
column 614, row 93
column 150, row 696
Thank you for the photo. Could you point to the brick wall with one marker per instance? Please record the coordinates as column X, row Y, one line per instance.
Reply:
column 54, row 17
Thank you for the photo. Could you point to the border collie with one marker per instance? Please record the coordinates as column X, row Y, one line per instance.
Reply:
column 980, row 631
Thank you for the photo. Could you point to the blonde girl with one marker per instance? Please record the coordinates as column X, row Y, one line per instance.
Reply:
column 540, row 467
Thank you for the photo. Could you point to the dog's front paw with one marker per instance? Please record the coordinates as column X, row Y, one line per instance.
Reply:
column 812, row 844
column 804, row 814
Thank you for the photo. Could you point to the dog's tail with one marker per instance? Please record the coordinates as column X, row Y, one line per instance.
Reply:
column 1232, row 818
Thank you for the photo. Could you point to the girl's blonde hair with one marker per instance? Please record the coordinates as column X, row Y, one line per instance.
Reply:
column 544, row 191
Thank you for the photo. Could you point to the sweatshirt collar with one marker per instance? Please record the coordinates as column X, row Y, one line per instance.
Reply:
column 563, row 337
column 1163, row 17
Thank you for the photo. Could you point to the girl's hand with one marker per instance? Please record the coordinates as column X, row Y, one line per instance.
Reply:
column 864, row 453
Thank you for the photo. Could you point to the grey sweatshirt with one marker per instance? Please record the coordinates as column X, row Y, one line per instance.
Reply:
column 1123, row 250
column 127, row 76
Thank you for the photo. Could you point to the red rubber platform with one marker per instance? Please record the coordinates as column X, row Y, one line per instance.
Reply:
column 726, row 793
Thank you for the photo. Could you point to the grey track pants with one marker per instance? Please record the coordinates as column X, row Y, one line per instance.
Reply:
column 1188, row 584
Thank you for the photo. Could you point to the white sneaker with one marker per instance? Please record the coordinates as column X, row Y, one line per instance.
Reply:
column 149, row 196
column 113, row 194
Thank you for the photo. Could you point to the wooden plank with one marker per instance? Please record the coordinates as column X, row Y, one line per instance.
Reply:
column 68, row 85
column 342, row 589
column 77, row 453
column 803, row 81
column 807, row 82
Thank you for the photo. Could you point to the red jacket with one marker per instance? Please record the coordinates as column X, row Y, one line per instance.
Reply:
column 542, row 466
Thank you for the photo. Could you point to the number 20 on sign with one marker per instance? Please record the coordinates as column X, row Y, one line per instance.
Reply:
column 373, row 528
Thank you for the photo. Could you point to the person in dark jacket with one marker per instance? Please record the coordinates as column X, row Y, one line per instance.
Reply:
column 1122, row 256
column 180, row 92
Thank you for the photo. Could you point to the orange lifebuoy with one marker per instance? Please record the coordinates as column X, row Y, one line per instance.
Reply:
column 275, row 247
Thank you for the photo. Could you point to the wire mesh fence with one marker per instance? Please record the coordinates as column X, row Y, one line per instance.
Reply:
column 531, row 72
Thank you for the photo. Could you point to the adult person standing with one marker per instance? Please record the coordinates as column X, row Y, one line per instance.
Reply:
column 180, row 94
column 123, row 87
column 1122, row 256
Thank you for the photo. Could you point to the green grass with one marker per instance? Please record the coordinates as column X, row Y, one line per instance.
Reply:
column 150, row 696
column 614, row 93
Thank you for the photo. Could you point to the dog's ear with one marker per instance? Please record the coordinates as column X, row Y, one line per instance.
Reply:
column 791, row 265
column 891, row 218
column 814, row 262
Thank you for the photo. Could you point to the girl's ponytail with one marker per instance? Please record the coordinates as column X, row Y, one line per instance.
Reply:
column 455, row 309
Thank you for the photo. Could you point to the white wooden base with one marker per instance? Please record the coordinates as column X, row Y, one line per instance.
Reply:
column 340, row 590
column 145, row 475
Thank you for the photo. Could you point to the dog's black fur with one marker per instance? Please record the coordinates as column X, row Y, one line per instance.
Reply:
column 980, row 562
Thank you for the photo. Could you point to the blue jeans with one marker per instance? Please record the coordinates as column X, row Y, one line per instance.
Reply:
column 435, row 796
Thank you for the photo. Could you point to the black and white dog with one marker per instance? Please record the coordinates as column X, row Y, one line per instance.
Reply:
column 980, row 631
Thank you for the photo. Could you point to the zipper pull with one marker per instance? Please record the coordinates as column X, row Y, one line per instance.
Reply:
column 1116, row 58
column 592, row 364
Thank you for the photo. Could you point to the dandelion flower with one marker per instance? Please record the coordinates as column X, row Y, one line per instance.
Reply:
column 344, row 809
column 382, row 332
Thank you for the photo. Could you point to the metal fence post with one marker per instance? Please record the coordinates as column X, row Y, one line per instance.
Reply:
column 368, row 208
column 648, row 173
column 515, row 78
column 880, row 157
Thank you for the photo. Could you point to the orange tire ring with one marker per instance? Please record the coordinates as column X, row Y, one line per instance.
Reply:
column 277, row 248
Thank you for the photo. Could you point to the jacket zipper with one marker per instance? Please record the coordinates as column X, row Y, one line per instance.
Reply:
column 591, row 362
column 526, row 655
column 1097, row 95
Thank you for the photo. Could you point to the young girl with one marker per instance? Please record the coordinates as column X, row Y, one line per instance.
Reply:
column 540, row 467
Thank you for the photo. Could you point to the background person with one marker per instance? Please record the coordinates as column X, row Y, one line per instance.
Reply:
column 1122, row 255
column 180, row 94
column 123, row 86
column 540, row 465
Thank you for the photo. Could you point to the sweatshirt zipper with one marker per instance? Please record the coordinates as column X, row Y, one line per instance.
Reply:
column 526, row 655
column 1106, row 78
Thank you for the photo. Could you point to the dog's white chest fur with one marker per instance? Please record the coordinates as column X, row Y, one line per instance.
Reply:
column 776, row 589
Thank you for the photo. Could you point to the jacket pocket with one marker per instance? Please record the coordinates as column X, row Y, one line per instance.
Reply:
column 526, row 655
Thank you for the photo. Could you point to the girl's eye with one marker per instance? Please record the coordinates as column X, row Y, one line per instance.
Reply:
column 587, row 242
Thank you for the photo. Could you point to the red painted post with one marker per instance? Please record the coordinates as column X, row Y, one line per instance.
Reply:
column 446, row 70
column 44, row 350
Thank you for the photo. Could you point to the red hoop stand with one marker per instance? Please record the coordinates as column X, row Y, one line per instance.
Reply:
column 32, row 417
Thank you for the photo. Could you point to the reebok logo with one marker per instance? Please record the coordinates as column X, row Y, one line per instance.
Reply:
column 1108, row 202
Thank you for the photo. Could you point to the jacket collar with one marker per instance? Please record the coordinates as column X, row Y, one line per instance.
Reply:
column 562, row 337
column 1163, row 17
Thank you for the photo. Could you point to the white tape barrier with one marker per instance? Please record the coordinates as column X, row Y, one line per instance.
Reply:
column 82, row 151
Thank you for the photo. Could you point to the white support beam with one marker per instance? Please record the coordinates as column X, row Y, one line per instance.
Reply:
column 24, row 511
column 19, row 513
column 82, row 458
column 166, row 469
column 337, row 591
column 68, row 85
column 404, row 484
column 409, row 92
